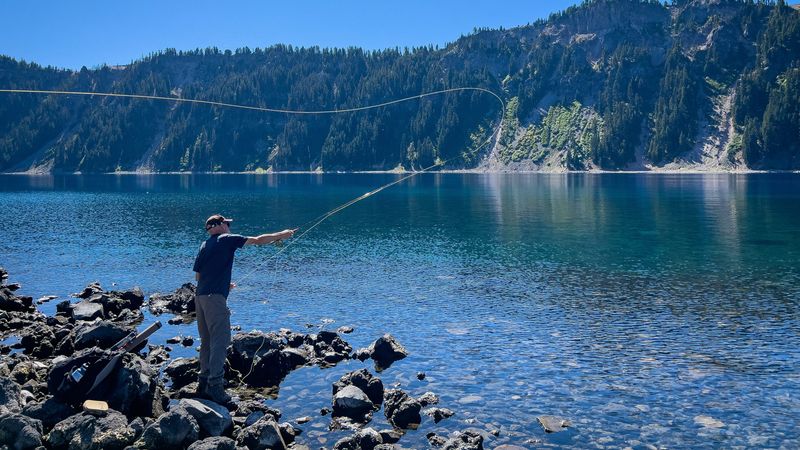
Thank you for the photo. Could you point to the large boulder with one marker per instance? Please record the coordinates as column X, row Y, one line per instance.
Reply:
column 385, row 351
column 179, row 302
column 402, row 410
column 352, row 402
column 362, row 379
column 20, row 432
column 214, row 419
column 173, row 430
column 87, row 432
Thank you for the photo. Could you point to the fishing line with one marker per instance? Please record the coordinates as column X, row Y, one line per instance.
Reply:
column 319, row 219
column 315, row 222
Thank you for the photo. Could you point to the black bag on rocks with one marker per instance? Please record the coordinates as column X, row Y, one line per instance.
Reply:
column 70, row 379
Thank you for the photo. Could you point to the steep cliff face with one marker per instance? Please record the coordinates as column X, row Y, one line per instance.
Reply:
column 609, row 84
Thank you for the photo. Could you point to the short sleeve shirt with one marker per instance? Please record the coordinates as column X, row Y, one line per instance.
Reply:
column 214, row 263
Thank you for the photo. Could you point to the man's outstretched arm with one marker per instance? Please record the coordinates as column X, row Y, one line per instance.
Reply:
column 270, row 237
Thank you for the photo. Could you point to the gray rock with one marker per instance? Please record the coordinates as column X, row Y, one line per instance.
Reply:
column 86, row 310
column 9, row 394
column 214, row 443
column 49, row 412
column 37, row 340
column 85, row 431
column 553, row 424
column 176, row 429
column 362, row 379
column 385, row 351
column 262, row 435
column 214, row 419
column 352, row 402
column 20, row 432
column 401, row 410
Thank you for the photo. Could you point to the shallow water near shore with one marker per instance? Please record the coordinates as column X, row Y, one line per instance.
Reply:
column 647, row 309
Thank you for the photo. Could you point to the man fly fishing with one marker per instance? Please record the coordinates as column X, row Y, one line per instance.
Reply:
column 212, row 269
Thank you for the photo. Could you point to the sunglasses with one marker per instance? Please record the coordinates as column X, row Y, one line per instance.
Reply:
column 210, row 226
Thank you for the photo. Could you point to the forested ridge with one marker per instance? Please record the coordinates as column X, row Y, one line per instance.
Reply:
column 610, row 84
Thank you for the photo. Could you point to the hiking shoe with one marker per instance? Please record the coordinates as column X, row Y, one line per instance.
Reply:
column 202, row 387
column 216, row 393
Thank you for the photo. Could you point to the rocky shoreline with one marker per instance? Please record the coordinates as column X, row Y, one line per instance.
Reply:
column 151, row 395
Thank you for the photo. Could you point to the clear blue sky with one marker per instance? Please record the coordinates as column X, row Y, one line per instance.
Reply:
column 75, row 33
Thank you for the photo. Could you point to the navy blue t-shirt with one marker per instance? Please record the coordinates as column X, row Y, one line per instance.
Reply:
column 215, row 261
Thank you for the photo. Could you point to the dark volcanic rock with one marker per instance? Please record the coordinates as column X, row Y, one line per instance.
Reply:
column 182, row 371
column 85, row 431
column 385, row 351
column 362, row 379
column 179, row 302
column 12, row 303
column 175, row 429
column 428, row 398
column 269, row 368
column 214, row 419
column 49, row 412
column 401, row 410
column 103, row 334
column 352, row 402
column 214, row 443
column 37, row 340
column 20, row 432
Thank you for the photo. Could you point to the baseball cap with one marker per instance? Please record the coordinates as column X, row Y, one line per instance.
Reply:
column 215, row 220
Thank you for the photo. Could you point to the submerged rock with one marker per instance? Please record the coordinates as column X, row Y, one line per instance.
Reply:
column 553, row 424
column 465, row 440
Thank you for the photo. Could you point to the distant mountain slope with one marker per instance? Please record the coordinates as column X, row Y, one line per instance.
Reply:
column 609, row 84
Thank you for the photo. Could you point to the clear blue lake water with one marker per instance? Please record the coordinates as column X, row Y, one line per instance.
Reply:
column 649, row 310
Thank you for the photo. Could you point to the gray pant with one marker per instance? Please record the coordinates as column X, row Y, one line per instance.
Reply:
column 214, row 325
